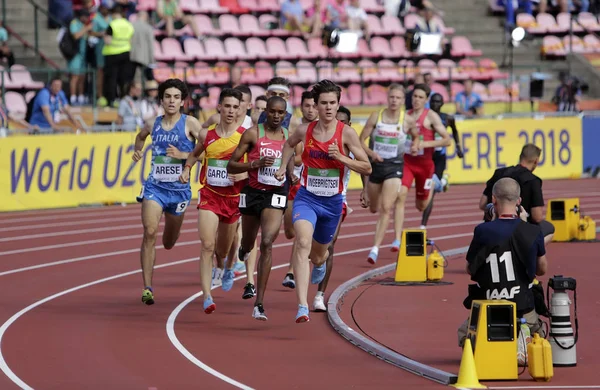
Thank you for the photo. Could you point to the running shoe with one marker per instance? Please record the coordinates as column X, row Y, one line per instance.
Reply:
column 148, row 296
column 243, row 256
column 227, row 281
column 249, row 291
column 445, row 182
column 318, row 273
column 217, row 276
column 302, row 315
column 239, row 268
column 395, row 246
column 289, row 281
column 373, row 256
column 259, row 313
column 209, row 305
column 319, row 304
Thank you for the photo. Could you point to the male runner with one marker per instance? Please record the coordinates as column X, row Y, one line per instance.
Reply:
column 173, row 137
column 279, row 86
column 318, row 204
column 344, row 116
column 219, row 197
column 440, row 180
column 260, row 104
column 386, row 131
column 242, row 118
column 264, row 199
column 309, row 114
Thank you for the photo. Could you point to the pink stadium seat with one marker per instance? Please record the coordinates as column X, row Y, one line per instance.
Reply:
column 229, row 24
column 578, row 45
column 276, row 47
column 563, row 20
column 553, row 46
column 376, row 95
column 265, row 19
column 263, row 72
column 528, row 23
column 445, row 30
column 372, row 6
column 22, row 77
column 171, row 49
column 257, row 90
column 354, row 94
column 15, row 104
column 211, row 7
column 369, row 71
column 398, row 47
column 269, row 6
column 315, row 46
column 547, row 24
column 213, row 98
column 441, row 89
column 455, row 88
column 190, row 6
column 498, row 92
column 461, row 46
column 427, row 66
column 407, row 69
column 215, row 49
column 592, row 43
column 29, row 95
column 158, row 53
column 203, row 73
column 235, row 48
column 306, row 72
column 489, row 68
column 251, row 5
column 286, row 69
column 255, row 47
column 146, row 5
column 346, row 71
column 297, row 47
column 222, row 73
column 365, row 51
column 449, row 71
column 325, row 70
column 589, row 21
column 388, row 71
column 392, row 25
column 381, row 46
column 183, row 71
column 470, row 68
column 410, row 21
column 249, row 26
column 194, row 48
column 205, row 25
column 296, row 96
column 375, row 27
column 162, row 72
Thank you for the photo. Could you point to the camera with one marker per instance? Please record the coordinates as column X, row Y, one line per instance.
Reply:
column 193, row 107
column 559, row 282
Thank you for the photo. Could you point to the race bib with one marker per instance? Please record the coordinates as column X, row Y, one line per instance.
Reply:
column 386, row 147
column 438, row 137
column 242, row 203
column 167, row 169
column 216, row 173
column 323, row 182
column 408, row 144
column 266, row 175
column 278, row 201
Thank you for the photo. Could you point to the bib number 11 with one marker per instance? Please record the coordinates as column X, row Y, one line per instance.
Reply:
column 505, row 258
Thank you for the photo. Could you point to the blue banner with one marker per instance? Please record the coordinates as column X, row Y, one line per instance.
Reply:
column 591, row 142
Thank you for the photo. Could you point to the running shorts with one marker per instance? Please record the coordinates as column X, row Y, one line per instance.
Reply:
column 384, row 171
column 225, row 207
column 344, row 211
column 439, row 161
column 172, row 202
column 322, row 212
column 253, row 201
column 422, row 174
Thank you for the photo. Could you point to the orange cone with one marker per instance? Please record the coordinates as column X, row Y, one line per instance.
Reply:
column 467, row 374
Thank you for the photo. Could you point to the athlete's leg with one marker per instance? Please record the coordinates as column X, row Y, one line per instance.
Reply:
column 250, row 226
column 270, row 222
column 399, row 211
column 388, row 194
column 439, row 160
column 421, row 202
column 225, row 236
column 318, row 303
column 151, row 215
column 288, row 228
column 374, row 190
column 427, row 211
column 172, row 229
column 208, row 223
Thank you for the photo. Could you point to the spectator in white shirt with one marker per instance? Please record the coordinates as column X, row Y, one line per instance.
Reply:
column 129, row 115
column 357, row 18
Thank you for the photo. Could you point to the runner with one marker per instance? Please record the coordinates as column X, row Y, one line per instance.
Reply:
column 418, row 164
column 440, row 180
column 344, row 116
column 309, row 114
column 219, row 196
column 173, row 137
column 260, row 104
column 386, row 131
column 264, row 199
column 279, row 86
column 242, row 118
column 318, row 204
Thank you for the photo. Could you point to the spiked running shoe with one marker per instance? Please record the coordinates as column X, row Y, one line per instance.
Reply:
column 209, row 305
column 239, row 268
column 318, row 273
column 147, row 296
column 289, row 281
column 372, row 259
column 227, row 280
column 319, row 304
column 302, row 315
column 259, row 313
column 249, row 291
column 395, row 246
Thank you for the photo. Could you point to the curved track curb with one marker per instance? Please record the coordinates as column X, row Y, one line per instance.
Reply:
column 373, row 348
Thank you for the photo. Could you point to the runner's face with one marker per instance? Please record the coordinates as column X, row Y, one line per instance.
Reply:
column 328, row 106
column 419, row 98
column 275, row 115
column 278, row 92
column 229, row 109
column 395, row 99
column 171, row 101
column 342, row 117
column 244, row 105
column 309, row 110
column 436, row 104
column 259, row 107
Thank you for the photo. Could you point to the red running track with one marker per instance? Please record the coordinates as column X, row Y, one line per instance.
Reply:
column 72, row 318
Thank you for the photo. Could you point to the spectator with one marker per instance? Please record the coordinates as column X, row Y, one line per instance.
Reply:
column 427, row 24
column 468, row 103
column 172, row 18
column 149, row 106
column 511, row 5
column 260, row 104
column 504, row 258
column 142, row 48
column 48, row 105
column 315, row 19
column 79, row 29
column 292, row 18
column 7, row 116
column 568, row 94
column 5, row 52
column 357, row 18
column 130, row 115
column 116, row 50
column 335, row 14
column 128, row 6
column 100, row 24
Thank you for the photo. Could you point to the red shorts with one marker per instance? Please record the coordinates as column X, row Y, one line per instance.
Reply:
column 422, row 174
column 225, row 207
column 344, row 211
column 293, row 191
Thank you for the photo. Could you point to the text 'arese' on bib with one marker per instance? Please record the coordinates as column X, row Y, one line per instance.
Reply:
column 323, row 182
column 167, row 169
column 266, row 175
column 216, row 173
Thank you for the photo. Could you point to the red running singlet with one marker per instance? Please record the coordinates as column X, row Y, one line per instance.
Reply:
column 426, row 135
column 264, row 178
column 322, row 175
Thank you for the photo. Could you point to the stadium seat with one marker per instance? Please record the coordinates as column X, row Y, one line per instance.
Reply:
column 194, row 48
column 276, row 48
column 346, row 71
column 481, row 90
column 375, row 27
column 255, row 47
column 29, row 95
column 190, row 6
column 398, row 48
column 21, row 77
column 229, row 24
column 592, row 43
column 212, row 100
column 146, row 5
column 15, row 104
column 235, row 48
column 257, row 90
column 306, row 72
column 286, row 69
column 388, row 71
column 461, row 46
column 470, row 68
column 211, row 7
column 263, row 72
column 251, row 5
column 203, row 73
column 171, row 50
column 445, row 30
column 270, row 6
column 441, row 89
column 488, row 68
column 249, row 27
column 563, row 20
column 372, row 6
column 369, row 71
column 392, row 25
column 428, row 66
column 410, row 21
column 498, row 92
column 216, row 49
column 578, row 46
column 589, row 21
column 297, row 47
column 205, row 26
column 547, row 24
column 325, row 70
column 455, row 88
column 265, row 19
column 553, row 46
column 315, row 46
column 375, row 95
column 381, row 47
column 162, row 72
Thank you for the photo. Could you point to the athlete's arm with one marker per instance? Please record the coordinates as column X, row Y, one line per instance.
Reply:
column 452, row 124
column 438, row 127
column 410, row 126
column 360, row 163
column 192, row 127
column 294, row 123
column 288, row 149
column 366, row 133
column 214, row 119
column 140, row 140
column 298, row 155
column 193, row 157
column 247, row 141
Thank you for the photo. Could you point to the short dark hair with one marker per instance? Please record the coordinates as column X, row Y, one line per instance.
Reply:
column 326, row 86
column 345, row 110
column 306, row 95
column 436, row 96
column 173, row 83
column 423, row 87
column 244, row 89
column 276, row 99
column 530, row 152
column 261, row 97
column 230, row 92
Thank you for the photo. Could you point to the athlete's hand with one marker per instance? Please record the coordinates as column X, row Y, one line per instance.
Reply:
column 185, row 175
column 334, row 150
column 238, row 177
column 364, row 199
column 172, row 151
column 294, row 179
column 376, row 157
column 266, row 161
column 459, row 151
column 414, row 148
column 280, row 174
column 137, row 155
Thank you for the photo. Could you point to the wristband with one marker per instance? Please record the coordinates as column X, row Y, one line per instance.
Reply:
column 187, row 166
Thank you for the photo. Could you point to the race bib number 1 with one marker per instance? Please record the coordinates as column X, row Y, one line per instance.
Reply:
column 278, row 201
column 242, row 201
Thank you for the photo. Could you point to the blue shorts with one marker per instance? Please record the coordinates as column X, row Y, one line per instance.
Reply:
column 323, row 212
column 171, row 201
